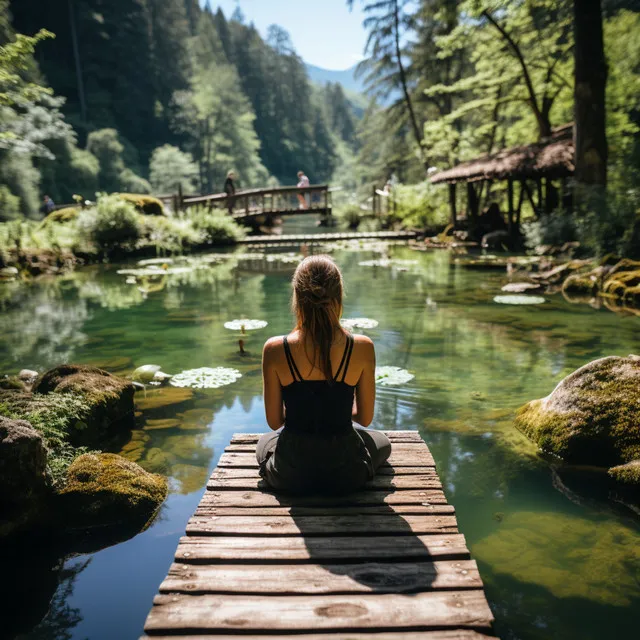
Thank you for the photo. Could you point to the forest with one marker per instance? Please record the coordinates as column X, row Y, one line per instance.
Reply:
column 142, row 95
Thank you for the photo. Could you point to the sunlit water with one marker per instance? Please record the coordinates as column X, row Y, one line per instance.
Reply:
column 557, row 562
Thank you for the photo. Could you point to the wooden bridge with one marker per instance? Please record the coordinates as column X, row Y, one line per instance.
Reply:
column 253, row 203
column 385, row 563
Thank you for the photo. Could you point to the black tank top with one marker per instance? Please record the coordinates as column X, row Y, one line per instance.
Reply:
column 319, row 406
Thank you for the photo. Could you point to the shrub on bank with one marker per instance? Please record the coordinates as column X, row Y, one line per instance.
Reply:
column 113, row 223
column 215, row 227
column 421, row 206
column 68, row 214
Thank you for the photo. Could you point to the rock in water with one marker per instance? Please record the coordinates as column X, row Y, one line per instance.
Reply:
column 110, row 399
column 108, row 490
column 23, row 463
column 592, row 417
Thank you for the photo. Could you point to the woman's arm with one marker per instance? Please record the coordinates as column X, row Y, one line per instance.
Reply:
column 271, row 387
column 366, row 388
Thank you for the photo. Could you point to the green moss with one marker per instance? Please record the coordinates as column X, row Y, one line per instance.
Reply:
column 147, row 205
column 627, row 473
column 580, row 285
column 107, row 489
column 592, row 417
column 68, row 214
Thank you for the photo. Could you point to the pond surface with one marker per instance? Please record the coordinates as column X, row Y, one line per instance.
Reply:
column 557, row 561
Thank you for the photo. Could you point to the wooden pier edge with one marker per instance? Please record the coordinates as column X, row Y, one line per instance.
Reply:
column 385, row 563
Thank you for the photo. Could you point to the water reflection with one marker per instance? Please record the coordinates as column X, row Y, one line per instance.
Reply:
column 474, row 362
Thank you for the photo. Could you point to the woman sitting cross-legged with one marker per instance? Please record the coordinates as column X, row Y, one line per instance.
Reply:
column 310, row 379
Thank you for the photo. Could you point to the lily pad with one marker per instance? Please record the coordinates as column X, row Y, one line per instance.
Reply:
column 521, row 287
column 392, row 376
column 519, row 299
column 245, row 325
column 359, row 323
column 387, row 262
column 206, row 378
column 155, row 261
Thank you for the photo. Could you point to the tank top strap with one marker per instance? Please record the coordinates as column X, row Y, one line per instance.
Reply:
column 295, row 374
column 346, row 358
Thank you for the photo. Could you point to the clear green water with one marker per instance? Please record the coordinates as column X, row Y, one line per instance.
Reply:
column 559, row 559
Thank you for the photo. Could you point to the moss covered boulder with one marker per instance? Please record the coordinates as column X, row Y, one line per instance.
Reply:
column 108, row 490
column 110, row 399
column 592, row 417
column 23, row 477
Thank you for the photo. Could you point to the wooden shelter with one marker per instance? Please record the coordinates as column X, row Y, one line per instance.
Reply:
column 533, row 167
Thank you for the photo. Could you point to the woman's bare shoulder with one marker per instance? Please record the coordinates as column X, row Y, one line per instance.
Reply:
column 363, row 342
column 273, row 345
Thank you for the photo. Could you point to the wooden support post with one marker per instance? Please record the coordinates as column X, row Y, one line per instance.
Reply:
column 246, row 204
column 472, row 200
column 452, row 203
column 519, row 210
column 540, row 196
column 180, row 197
column 263, row 204
column 525, row 186
column 510, row 204
column 326, row 200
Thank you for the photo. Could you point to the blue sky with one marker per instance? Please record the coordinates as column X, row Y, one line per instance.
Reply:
column 324, row 32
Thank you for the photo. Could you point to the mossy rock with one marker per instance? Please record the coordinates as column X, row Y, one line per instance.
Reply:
column 68, row 214
column 108, row 490
column 627, row 473
column 148, row 205
column 592, row 417
column 110, row 399
column 623, row 286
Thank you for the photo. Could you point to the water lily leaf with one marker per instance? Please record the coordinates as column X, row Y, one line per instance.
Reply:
column 519, row 299
column 285, row 258
column 392, row 376
column 245, row 324
column 155, row 261
column 131, row 280
column 145, row 373
column 206, row 378
column 387, row 262
column 359, row 323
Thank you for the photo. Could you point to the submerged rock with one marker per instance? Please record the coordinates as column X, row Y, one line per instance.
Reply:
column 108, row 490
column 592, row 417
column 110, row 399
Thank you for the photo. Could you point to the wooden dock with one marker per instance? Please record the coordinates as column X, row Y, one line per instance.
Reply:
column 312, row 238
column 385, row 563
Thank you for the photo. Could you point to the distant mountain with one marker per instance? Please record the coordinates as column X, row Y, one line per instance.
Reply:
column 346, row 78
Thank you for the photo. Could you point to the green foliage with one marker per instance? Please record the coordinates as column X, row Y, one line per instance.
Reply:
column 9, row 204
column 54, row 415
column 169, row 235
column 421, row 205
column 215, row 227
column 112, row 224
column 171, row 168
column 68, row 214
column 554, row 229
column 148, row 205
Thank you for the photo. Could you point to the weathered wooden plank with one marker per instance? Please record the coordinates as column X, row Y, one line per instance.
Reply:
column 394, row 436
column 386, row 482
column 412, row 445
column 349, row 510
column 310, row 579
column 253, row 472
column 238, row 613
column 455, row 634
column 250, row 499
column 319, row 525
column 199, row 550
column 416, row 456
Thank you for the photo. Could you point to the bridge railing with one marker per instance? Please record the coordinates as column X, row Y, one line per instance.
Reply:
column 278, row 200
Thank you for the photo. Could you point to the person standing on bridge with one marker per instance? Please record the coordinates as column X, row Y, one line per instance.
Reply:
column 230, row 190
column 303, row 182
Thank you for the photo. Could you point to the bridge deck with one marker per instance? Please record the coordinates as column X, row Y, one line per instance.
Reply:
column 308, row 238
column 385, row 563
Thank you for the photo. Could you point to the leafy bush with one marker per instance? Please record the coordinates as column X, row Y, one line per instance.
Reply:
column 112, row 223
column 148, row 205
column 9, row 204
column 215, row 227
column 554, row 229
column 130, row 181
column 171, row 235
column 349, row 215
column 421, row 205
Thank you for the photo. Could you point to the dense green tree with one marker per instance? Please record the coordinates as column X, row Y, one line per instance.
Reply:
column 171, row 169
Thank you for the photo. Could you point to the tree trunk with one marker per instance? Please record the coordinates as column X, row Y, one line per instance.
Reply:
column 589, row 94
column 78, row 62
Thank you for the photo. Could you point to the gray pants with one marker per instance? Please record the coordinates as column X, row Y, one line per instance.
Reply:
column 377, row 444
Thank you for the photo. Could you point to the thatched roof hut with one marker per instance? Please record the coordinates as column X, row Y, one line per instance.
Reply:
column 546, row 160
column 551, row 158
